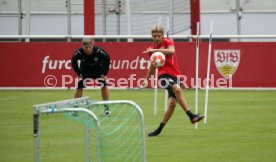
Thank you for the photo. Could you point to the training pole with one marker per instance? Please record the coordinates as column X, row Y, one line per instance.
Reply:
column 155, row 90
column 197, row 68
column 166, row 100
column 208, row 73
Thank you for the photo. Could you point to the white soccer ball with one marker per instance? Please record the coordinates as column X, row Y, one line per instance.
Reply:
column 158, row 58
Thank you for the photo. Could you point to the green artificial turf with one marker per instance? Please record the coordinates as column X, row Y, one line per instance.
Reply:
column 241, row 125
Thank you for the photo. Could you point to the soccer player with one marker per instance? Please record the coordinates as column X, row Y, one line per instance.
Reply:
column 167, row 74
column 94, row 64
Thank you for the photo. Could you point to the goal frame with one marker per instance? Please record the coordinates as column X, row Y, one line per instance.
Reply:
column 84, row 107
column 51, row 107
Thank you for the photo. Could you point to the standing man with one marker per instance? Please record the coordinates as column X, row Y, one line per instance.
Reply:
column 94, row 64
column 168, row 77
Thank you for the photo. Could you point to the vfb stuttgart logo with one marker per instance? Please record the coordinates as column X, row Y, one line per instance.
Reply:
column 227, row 62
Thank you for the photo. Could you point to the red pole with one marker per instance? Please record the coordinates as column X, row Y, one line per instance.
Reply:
column 89, row 17
column 195, row 15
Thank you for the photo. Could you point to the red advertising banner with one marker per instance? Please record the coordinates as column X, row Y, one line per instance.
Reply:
column 47, row 64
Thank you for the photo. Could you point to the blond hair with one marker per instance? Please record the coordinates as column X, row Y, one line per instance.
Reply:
column 157, row 29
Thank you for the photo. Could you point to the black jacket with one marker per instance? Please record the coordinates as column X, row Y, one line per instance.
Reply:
column 93, row 65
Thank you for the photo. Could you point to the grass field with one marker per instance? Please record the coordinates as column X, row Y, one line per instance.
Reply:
column 241, row 125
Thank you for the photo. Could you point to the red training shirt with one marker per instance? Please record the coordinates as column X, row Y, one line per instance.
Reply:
column 171, row 66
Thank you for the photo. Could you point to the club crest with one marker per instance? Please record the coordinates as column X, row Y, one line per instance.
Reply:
column 227, row 62
column 96, row 59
